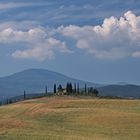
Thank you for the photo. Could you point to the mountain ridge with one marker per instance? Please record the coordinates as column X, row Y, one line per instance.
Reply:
column 129, row 90
column 34, row 81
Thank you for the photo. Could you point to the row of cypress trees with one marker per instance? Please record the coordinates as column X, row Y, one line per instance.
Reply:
column 74, row 90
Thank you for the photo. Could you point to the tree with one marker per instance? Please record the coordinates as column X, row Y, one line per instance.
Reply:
column 93, row 92
column 46, row 91
column 24, row 94
column 60, row 89
column 96, row 92
column 10, row 101
column 85, row 89
column 78, row 90
column 7, row 101
column 69, row 88
column 91, row 89
column 54, row 89
column 74, row 88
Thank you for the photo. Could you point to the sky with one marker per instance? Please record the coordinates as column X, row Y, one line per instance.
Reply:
column 92, row 40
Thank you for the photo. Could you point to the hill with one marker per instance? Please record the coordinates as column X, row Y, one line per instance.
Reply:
column 69, row 118
column 120, row 90
column 34, row 81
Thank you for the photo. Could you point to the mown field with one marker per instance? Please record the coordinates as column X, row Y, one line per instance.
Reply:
column 69, row 118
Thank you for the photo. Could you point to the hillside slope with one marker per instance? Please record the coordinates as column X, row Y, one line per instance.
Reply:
column 68, row 118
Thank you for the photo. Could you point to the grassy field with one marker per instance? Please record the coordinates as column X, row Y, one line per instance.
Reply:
column 69, row 118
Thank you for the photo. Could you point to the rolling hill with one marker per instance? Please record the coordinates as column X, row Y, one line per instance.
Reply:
column 70, row 118
column 120, row 90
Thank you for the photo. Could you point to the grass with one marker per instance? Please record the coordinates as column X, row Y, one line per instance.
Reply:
column 70, row 118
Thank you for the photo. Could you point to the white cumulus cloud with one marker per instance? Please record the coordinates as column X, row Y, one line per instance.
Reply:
column 10, row 35
column 114, row 39
column 39, row 45
column 42, row 50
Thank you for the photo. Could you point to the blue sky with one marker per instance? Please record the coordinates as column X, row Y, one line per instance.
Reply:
column 93, row 40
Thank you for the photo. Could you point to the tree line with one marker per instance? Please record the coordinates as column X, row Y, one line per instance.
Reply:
column 74, row 89
column 58, row 90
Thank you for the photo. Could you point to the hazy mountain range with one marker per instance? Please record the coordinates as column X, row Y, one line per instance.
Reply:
column 35, row 81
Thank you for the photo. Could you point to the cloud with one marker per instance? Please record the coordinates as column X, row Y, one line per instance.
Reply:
column 33, row 35
column 11, row 5
column 4, row 6
column 136, row 54
column 39, row 45
column 22, row 25
column 43, row 50
column 114, row 39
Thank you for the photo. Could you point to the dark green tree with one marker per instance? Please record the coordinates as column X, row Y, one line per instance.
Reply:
column 24, row 95
column 46, row 90
column 90, row 91
column 78, row 90
column 70, row 88
column 60, row 89
column 95, row 92
column 10, row 101
column 85, row 89
column 74, row 88
column 54, row 89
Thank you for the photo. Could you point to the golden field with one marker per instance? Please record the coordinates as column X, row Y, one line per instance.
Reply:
column 70, row 118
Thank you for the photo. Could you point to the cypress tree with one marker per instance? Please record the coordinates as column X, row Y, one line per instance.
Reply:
column 24, row 94
column 78, row 89
column 54, row 90
column 70, row 87
column 85, row 89
column 46, row 91
column 67, row 88
column 74, row 88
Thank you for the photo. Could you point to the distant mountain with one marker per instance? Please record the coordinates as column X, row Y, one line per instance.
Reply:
column 121, row 90
column 34, row 81
column 122, row 83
